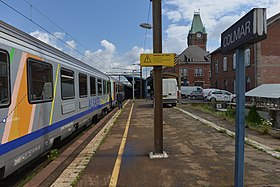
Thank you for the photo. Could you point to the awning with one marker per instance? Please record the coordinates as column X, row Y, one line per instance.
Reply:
column 265, row 91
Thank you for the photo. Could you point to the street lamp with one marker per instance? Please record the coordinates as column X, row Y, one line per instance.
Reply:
column 146, row 26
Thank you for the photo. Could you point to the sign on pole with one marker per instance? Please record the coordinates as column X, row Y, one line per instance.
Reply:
column 250, row 29
column 157, row 59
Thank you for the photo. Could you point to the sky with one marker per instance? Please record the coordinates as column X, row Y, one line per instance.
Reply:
column 106, row 33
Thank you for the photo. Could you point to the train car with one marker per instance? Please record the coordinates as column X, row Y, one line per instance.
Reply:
column 45, row 95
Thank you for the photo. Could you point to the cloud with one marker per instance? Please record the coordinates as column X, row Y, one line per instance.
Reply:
column 109, row 47
column 215, row 15
column 133, row 56
column 71, row 44
column 59, row 35
column 175, row 41
column 48, row 38
column 173, row 15
column 104, row 59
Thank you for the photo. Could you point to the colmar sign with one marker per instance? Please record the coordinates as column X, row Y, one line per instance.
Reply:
column 251, row 28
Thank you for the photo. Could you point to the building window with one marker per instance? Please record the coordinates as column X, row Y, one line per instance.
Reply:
column 83, row 85
column 40, row 81
column 92, row 86
column 190, row 59
column 248, row 84
column 67, row 84
column 234, row 86
column 234, row 61
column 5, row 98
column 216, row 67
column 198, row 72
column 247, row 57
column 225, row 64
column 225, row 84
column 99, row 86
column 216, row 84
column 184, row 72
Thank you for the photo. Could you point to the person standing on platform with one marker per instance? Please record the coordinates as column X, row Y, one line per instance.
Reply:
column 119, row 99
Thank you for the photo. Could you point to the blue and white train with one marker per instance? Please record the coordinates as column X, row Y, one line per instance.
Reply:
column 45, row 95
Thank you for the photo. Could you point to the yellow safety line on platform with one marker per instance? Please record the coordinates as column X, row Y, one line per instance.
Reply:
column 116, row 170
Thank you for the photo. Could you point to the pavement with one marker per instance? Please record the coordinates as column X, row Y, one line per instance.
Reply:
column 198, row 154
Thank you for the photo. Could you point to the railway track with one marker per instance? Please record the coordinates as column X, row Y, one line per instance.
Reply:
column 37, row 172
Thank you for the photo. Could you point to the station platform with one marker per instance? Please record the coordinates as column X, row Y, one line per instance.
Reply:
column 198, row 155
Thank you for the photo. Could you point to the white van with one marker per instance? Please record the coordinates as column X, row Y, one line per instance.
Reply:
column 187, row 90
column 169, row 91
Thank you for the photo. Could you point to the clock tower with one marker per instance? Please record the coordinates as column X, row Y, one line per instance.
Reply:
column 197, row 35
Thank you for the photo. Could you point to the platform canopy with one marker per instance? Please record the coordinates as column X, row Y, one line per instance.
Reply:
column 265, row 91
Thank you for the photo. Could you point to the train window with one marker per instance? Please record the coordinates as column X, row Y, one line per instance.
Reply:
column 40, row 81
column 82, row 85
column 99, row 86
column 5, row 98
column 92, row 86
column 67, row 84
column 104, row 87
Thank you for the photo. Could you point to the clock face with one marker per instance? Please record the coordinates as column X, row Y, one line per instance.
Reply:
column 198, row 35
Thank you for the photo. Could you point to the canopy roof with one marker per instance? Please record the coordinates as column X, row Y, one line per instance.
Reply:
column 265, row 91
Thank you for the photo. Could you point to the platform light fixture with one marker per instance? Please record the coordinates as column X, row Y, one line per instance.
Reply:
column 146, row 26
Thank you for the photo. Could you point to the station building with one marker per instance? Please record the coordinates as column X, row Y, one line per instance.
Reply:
column 194, row 62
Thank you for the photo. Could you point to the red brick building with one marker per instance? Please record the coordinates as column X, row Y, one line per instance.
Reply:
column 193, row 63
column 262, row 62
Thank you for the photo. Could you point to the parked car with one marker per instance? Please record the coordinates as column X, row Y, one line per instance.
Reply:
column 221, row 95
column 187, row 90
column 197, row 94
column 207, row 90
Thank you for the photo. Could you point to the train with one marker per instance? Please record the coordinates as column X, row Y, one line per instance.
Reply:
column 45, row 95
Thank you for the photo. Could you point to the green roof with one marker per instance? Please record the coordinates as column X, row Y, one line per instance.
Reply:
column 197, row 25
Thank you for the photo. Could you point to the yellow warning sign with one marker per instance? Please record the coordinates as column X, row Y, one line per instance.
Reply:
column 157, row 59
column 147, row 59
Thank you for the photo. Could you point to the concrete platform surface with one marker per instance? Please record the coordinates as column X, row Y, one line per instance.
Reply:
column 198, row 155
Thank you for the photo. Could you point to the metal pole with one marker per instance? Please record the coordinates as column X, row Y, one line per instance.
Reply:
column 179, row 83
column 133, row 85
column 240, row 119
column 157, row 48
column 141, row 88
column 119, row 83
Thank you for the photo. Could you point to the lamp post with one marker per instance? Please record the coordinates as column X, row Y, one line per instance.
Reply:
column 158, row 105
column 157, row 78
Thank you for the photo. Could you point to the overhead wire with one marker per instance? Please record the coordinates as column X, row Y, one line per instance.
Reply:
column 38, row 25
column 148, row 19
column 56, row 24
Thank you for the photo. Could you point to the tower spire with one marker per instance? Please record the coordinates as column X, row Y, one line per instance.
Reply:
column 197, row 34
